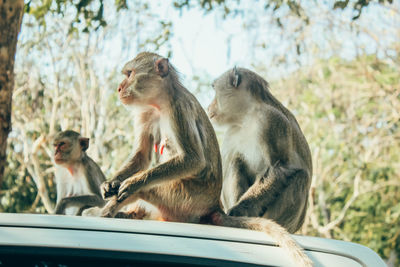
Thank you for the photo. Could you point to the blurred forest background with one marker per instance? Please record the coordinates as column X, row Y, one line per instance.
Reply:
column 335, row 64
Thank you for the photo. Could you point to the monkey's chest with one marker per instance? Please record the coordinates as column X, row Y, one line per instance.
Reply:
column 248, row 148
column 77, row 187
column 69, row 185
column 164, row 147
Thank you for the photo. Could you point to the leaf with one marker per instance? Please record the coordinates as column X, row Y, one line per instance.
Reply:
column 341, row 4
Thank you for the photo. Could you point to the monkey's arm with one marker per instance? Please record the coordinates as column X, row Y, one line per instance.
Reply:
column 140, row 161
column 177, row 168
column 188, row 164
column 277, row 147
column 79, row 201
column 265, row 191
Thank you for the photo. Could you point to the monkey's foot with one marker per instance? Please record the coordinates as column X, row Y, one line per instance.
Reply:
column 137, row 213
column 107, row 214
column 242, row 209
column 92, row 212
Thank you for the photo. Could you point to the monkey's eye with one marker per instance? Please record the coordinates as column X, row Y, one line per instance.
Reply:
column 61, row 145
column 129, row 72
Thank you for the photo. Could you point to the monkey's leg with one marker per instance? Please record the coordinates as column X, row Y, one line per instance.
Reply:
column 238, row 182
column 138, row 163
column 137, row 213
column 113, row 205
column 264, row 192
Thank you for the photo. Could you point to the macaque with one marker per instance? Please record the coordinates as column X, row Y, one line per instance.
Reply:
column 77, row 176
column 172, row 129
column 265, row 157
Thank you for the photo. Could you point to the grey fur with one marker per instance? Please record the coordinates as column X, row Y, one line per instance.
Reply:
column 185, row 183
column 75, row 158
column 268, row 173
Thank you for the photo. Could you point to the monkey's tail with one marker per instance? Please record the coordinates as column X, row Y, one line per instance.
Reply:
column 271, row 228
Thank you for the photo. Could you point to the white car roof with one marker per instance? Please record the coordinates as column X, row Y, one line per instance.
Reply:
column 169, row 238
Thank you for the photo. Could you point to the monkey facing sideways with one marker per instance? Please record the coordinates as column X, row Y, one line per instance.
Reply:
column 186, row 180
column 266, row 159
column 77, row 176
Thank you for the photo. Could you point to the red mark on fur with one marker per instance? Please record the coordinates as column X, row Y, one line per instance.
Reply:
column 155, row 106
column 71, row 170
column 155, row 148
column 161, row 149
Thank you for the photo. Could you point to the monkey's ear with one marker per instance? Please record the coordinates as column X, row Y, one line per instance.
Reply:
column 161, row 66
column 84, row 142
column 235, row 77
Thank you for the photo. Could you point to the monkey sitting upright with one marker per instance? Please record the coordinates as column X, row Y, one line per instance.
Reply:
column 185, row 182
column 266, row 160
column 77, row 176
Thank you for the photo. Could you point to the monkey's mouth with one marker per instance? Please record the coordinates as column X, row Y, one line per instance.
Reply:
column 58, row 161
column 126, row 98
column 58, row 158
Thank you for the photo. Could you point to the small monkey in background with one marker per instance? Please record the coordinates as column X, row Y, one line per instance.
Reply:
column 265, row 157
column 78, row 177
column 186, row 180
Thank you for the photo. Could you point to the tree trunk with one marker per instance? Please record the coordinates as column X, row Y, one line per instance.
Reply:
column 11, row 12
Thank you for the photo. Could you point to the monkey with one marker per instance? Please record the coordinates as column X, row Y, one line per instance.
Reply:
column 140, row 210
column 267, row 166
column 185, row 182
column 78, row 178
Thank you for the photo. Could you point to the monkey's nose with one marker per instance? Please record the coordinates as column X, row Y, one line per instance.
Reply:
column 119, row 88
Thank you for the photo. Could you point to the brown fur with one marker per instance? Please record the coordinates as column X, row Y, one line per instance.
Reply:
column 185, row 182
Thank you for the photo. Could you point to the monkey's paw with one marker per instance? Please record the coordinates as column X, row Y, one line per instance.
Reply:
column 108, row 211
column 110, row 188
column 106, row 214
column 92, row 212
column 129, row 187
column 242, row 210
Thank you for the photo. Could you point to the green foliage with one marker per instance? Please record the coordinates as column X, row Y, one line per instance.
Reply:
column 348, row 110
column 349, row 113
column 295, row 7
column 89, row 13
column 65, row 89
column 357, row 5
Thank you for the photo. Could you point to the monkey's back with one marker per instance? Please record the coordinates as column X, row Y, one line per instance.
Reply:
column 290, row 207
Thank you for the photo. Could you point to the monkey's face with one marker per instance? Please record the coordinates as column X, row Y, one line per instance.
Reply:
column 68, row 147
column 231, row 101
column 143, row 81
column 65, row 151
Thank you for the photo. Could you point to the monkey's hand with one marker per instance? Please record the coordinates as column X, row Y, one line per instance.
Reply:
column 130, row 186
column 245, row 209
column 110, row 188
